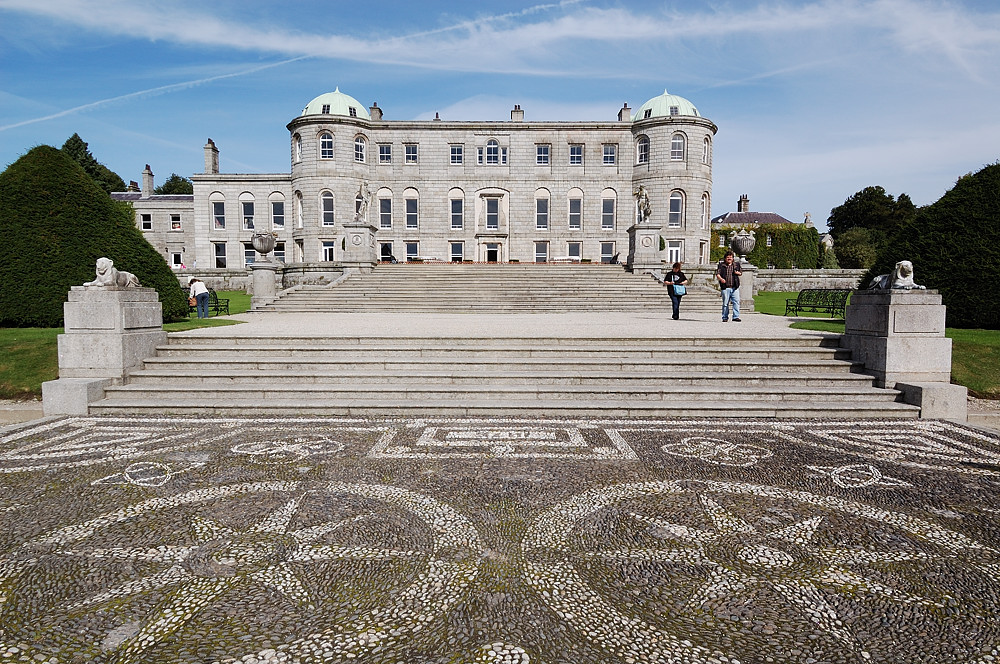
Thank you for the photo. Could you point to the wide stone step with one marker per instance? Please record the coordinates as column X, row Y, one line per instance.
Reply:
column 811, row 408
column 196, row 373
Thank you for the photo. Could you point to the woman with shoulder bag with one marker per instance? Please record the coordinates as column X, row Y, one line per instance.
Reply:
column 676, row 281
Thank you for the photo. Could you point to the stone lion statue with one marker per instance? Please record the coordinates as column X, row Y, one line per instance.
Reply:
column 108, row 275
column 900, row 279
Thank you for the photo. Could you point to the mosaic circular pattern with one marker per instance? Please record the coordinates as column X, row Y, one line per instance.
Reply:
column 706, row 571
column 326, row 557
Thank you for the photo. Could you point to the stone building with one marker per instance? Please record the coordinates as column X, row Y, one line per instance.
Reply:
column 444, row 190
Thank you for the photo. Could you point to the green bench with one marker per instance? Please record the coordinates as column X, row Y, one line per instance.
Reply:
column 831, row 301
column 217, row 305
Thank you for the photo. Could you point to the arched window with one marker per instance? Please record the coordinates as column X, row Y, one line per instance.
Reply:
column 277, row 201
column 297, row 148
column 677, row 147
column 705, row 211
column 456, row 201
column 706, row 151
column 217, row 201
column 609, row 198
column 675, row 213
column 298, row 209
column 411, row 201
column 542, row 209
column 326, row 145
column 326, row 208
column 247, row 210
column 575, row 209
column 642, row 150
column 492, row 152
column 359, row 149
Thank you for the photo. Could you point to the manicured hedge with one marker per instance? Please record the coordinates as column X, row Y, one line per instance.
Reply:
column 56, row 222
column 954, row 245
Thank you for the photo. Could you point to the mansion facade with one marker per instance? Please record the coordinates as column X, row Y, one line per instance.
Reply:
column 450, row 191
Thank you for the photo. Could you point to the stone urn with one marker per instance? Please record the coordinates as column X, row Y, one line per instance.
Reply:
column 263, row 243
column 743, row 243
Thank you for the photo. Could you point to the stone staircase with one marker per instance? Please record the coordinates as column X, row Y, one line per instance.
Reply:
column 491, row 287
column 524, row 376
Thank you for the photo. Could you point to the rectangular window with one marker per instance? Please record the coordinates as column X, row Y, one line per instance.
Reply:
column 541, row 213
column 608, row 254
column 576, row 155
column 220, row 254
column 674, row 213
column 769, row 239
column 412, row 251
column 175, row 259
column 542, row 154
column 492, row 152
column 146, row 221
column 610, row 154
column 219, row 214
column 492, row 213
column 576, row 213
column 277, row 214
column 279, row 252
column 359, row 150
column 457, row 252
column 479, row 155
column 327, row 202
column 503, row 155
column 722, row 240
column 608, row 213
column 541, row 252
column 457, row 154
column 674, row 251
column 247, row 215
column 384, row 153
column 175, row 222
column 249, row 255
column 573, row 250
column 411, row 213
column 457, row 213
column 385, row 213
column 300, row 251
column 328, row 250
column 411, row 153
column 385, row 252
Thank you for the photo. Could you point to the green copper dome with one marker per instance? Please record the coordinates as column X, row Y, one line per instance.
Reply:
column 665, row 105
column 336, row 103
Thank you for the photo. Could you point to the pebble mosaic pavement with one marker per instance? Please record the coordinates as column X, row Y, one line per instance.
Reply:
column 454, row 541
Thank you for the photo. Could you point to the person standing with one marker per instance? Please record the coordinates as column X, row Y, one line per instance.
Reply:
column 199, row 292
column 728, row 273
column 674, row 279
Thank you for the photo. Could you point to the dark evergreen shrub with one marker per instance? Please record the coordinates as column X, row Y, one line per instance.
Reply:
column 56, row 222
column 954, row 245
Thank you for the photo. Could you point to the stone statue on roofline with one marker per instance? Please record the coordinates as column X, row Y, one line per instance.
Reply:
column 900, row 279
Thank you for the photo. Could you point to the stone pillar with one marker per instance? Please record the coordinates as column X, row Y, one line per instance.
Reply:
column 360, row 252
column 108, row 333
column 264, row 290
column 644, row 247
column 899, row 335
column 746, row 286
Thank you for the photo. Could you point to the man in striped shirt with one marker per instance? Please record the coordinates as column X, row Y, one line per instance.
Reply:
column 728, row 273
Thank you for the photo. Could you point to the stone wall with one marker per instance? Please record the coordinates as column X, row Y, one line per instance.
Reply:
column 771, row 281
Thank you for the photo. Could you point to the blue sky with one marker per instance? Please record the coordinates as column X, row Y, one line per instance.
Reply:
column 814, row 100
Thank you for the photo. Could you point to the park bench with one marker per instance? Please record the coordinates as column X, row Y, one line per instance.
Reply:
column 819, row 300
column 216, row 304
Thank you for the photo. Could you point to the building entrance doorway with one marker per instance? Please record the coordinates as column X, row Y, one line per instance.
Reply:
column 492, row 252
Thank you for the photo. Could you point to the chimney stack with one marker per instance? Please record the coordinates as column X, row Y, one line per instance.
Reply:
column 744, row 204
column 625, row 115
column 211, row 157
column 374, row 111
column 147, row 182
column 517, row 115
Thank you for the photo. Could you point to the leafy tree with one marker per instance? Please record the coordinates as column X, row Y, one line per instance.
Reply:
column 175, row 184
column 829, row 260
column 57, row 222
column 107, row 179
column 954, row 245
column 874, row 209
column 858, row 248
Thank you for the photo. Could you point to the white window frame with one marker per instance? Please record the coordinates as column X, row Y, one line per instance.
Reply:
column 610, row 154
column 219, row 256
column 326, row 209
column 326, row 145
column 457, row 155
column 176, row 259
column 412, row 249
column 492, row 216
column 460, row 255
column 492, row 152
column 218, row 215
column 328, row 251
column 385, row 153
column 543, row 154
column 412, row 211
column 607, row 251
column 675, row 250
column 608, row 216
column 457, row 215
column 704, row 211
column 541, row 251
column 575, row 218
column 576, row 154
column 410, row 153
column 360, row 149
column 249, row 254
column 675, row 210
column 642, row 150
column 247, row 208
column 385, row 213
column 279, row 252
column 175, row 222
column 678, row 146
column 278, row 215
column 574, row 249
column 542, row 215
column 146, row 220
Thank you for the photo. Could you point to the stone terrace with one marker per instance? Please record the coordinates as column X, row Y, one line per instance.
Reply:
column 560, row 541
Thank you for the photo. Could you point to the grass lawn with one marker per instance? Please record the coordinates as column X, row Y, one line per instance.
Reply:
column 975, row 354
column 29, row 355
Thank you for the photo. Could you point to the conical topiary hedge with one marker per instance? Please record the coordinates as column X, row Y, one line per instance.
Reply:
column 55, row 222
